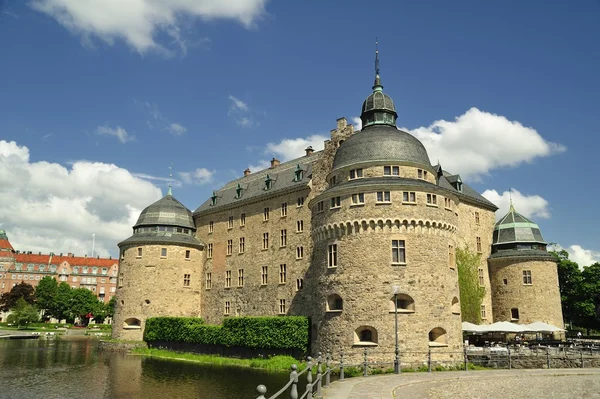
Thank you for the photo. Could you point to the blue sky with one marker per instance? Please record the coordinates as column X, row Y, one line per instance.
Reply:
column 99, row 97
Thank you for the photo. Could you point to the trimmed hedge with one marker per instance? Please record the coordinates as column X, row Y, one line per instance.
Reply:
column 290, row 332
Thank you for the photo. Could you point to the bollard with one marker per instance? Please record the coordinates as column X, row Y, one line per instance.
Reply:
column 327, row 369
column 262, row 390
column 429, row 361
column 309, row 385
column 341, row 365
column 294, row 378
column 365, row 364
column 548, row 357
column 581, row 358
column 319, row 375
column 509, row 360
column 466, row 360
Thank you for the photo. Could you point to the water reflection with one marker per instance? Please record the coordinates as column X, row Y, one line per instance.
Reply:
column 76, row 369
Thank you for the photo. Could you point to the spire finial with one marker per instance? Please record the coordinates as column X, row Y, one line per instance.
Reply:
column 377, row 85
column 170, row 178
column 512, row 208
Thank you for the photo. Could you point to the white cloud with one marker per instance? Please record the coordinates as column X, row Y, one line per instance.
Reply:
column 288, row 149
column 583, row 257
column 238, row 104
column 176, row 129
column 260, row 165
column 118, row 132
column 140, row 22
column 241, row 113
column 199, row 176
column 48, row 207
column 527, row 205
column 357, row 122
column 477, row 142
column 145, row 176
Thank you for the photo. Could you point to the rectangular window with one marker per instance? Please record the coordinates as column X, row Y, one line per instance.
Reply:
column 356, row 173
column 398, row 252
column 387, row 170
column 431, row 199
column 300, row 201
column 282, row 306
column 208, row 280
column 335, row 202
column 186, row 280
column 483, row 313
column 477, row 218
column 284, row 209
column 264, row 276
column 209, row 249
column 527, row 277
column 211, row 227
column 187, row 254
column 163, row 252
column 283, row 238
column 448, row 203
column 228, row 279
column 120, row 280
column 229, row 247
column 230, row 222
column 320, row 206
column 243, row 219
column 384, row 196
column 358, row 199
column 242, row 245
column 332, row 181
column 451, row 260
column 299, row 226
column 299, row 284
column 481, row 279
column 139, row 255
column 227, row 307
column 409, row 197
column 240, row 277
column 266, row 214
column 514, row 314
column 265, row 241
column 299, row 252
column 332, row 256
column 478, row 242
column 422, row 174
column 282, row 273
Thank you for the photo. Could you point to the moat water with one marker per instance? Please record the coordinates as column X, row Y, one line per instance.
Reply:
column 48, row 369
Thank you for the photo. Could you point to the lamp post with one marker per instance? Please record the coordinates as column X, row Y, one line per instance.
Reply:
column 396, row 291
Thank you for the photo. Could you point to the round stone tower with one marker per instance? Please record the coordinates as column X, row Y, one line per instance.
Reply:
column 160, row 269
column 384, row 234
column 523, row 275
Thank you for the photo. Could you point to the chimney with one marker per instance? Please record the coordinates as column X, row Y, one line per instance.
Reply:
column 274, row 162
column 341, row 123
column 247, row 172
column 61, row 254
column 39, row 253
column 110, row 258
column 69, row 254
column 98, row 257
column 309, row 150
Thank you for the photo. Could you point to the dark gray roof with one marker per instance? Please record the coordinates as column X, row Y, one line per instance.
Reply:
column 253, row 185
column 467, row 192
column 167, row 211
column 379, row 181
column 163, row 237
column 381, row 143
column 515, row 253
column 378, row 100
column 516, row 228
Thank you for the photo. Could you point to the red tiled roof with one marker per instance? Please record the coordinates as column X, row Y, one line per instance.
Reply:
column 5, row 244
column 71, row 260
column 7, row 254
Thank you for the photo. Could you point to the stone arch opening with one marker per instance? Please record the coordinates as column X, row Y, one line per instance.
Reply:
column 365, row 336
column 455, row 306
column 132, row 323
column 404, row 302
column 335, row 303
column 437, row 337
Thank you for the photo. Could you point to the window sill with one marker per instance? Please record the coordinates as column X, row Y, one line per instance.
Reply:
column 433, row 205
column 298, row 232
column 163, row 257
column 265, row 249
column 437, row 345
column 334, row 311
column 335, row 207
column 331, row 267
column 409, row 203
column 240, row 253
column 527, row 284
column 299, row 258
column 399, row 264
column 448, row 209
column 207, row 258
column 453, row 312
column 383, row 203
column 403, row 311
column 138, row 257
column 228, row 254
column 364, row 344
column 283, row 216
column 132, row 328
column 359, row 204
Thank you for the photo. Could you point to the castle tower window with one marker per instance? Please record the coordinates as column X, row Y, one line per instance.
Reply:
column 266, row 214
column 480, row 277
column 284, row 209
column 358, row 199
column 483, row 312
column 132, row 324
column 432, row 199
column 298, row 173
column 163, row 252
column 283, row 238
column 243, row 219
column 478, row 243
column 320, row 206
column 335, row 202
column 139, row 254
column 335, row 303
column 120, row 280
column 455, row 307
column 228, row 279
column 333, row 181
column 299, row 252
column 186, row 280
column 213, row 199
column 300, row 202
column 187, row 254
column 365, row 336
column 422, row 174
column 356, row 173
column 299, row 284
column 282, row 273
column 265, row 242
column 384, row 197
column 527, row 277
column 239, row 191
column 268, row 183
column 398, row 252
column 208, row 280
column 229, row 247
column 514, row 314
column 477, row 218
column 264, row 275
column 227, row 310
column 451, row 258
column 299, row 226
column 282, row 306
column 437, row 337
column 230, row 222
column 405, row 304
column 409, row 197
column 332, row 257
column 242, row 245
column 391, row 171
column 240, row 277
column 209, row 251
column 211, row 226
column 448, row 203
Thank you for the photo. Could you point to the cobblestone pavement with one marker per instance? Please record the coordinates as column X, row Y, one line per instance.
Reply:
column 498, row 384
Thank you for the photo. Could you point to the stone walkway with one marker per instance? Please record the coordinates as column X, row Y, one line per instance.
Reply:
column 497, row 384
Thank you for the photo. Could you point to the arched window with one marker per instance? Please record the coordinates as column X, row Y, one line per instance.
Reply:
column 335, row 303
column 455, row 306
column 132, row 324
column 365, row 336
column 404, row 303
column 437, row 337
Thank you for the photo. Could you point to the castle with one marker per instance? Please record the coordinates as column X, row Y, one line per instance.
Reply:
column 352, row 236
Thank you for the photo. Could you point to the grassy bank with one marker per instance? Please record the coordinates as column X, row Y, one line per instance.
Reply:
column 276, row 363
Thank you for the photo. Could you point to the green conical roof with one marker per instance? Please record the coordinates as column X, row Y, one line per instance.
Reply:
column 516, row 228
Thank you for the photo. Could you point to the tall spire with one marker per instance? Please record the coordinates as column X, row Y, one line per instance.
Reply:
column 512, row 208
column 377, row 85
column 170, row 178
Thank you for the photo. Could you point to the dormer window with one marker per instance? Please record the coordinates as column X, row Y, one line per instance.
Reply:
column 422, row 174
column 356, row 173
column 238, row 191
column 213, row 199
column 298, row 174
column 268, row 183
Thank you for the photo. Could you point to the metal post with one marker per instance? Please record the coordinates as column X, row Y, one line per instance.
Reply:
column 327, row 369
column 509, row 360
column 319, row 375
column 294, row 378
column 429, row 360
column 365, row 364
column 466, row 360
column 262, row 390
column 581, row 357
column 548, row 356
column 396, row 351
column 341, row 365
column 309, row 385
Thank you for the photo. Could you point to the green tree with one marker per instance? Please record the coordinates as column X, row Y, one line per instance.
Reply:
column 45, row 294
column 110, row 307
column 61, row 307
column 8, row 300
column 591, row 290
column 23, row 313
column 570, row 281
column 83, row 302
column 471, row 293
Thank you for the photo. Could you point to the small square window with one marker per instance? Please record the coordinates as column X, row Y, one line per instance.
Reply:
column 358, row 199
column 409, row 197
column 139, row 254
column 384, row 196
column 432, row 199
column 527, row 277
column 186, row 280
column 187, row 254
column 163, row 252
column 356, row 173
column 336, row 202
